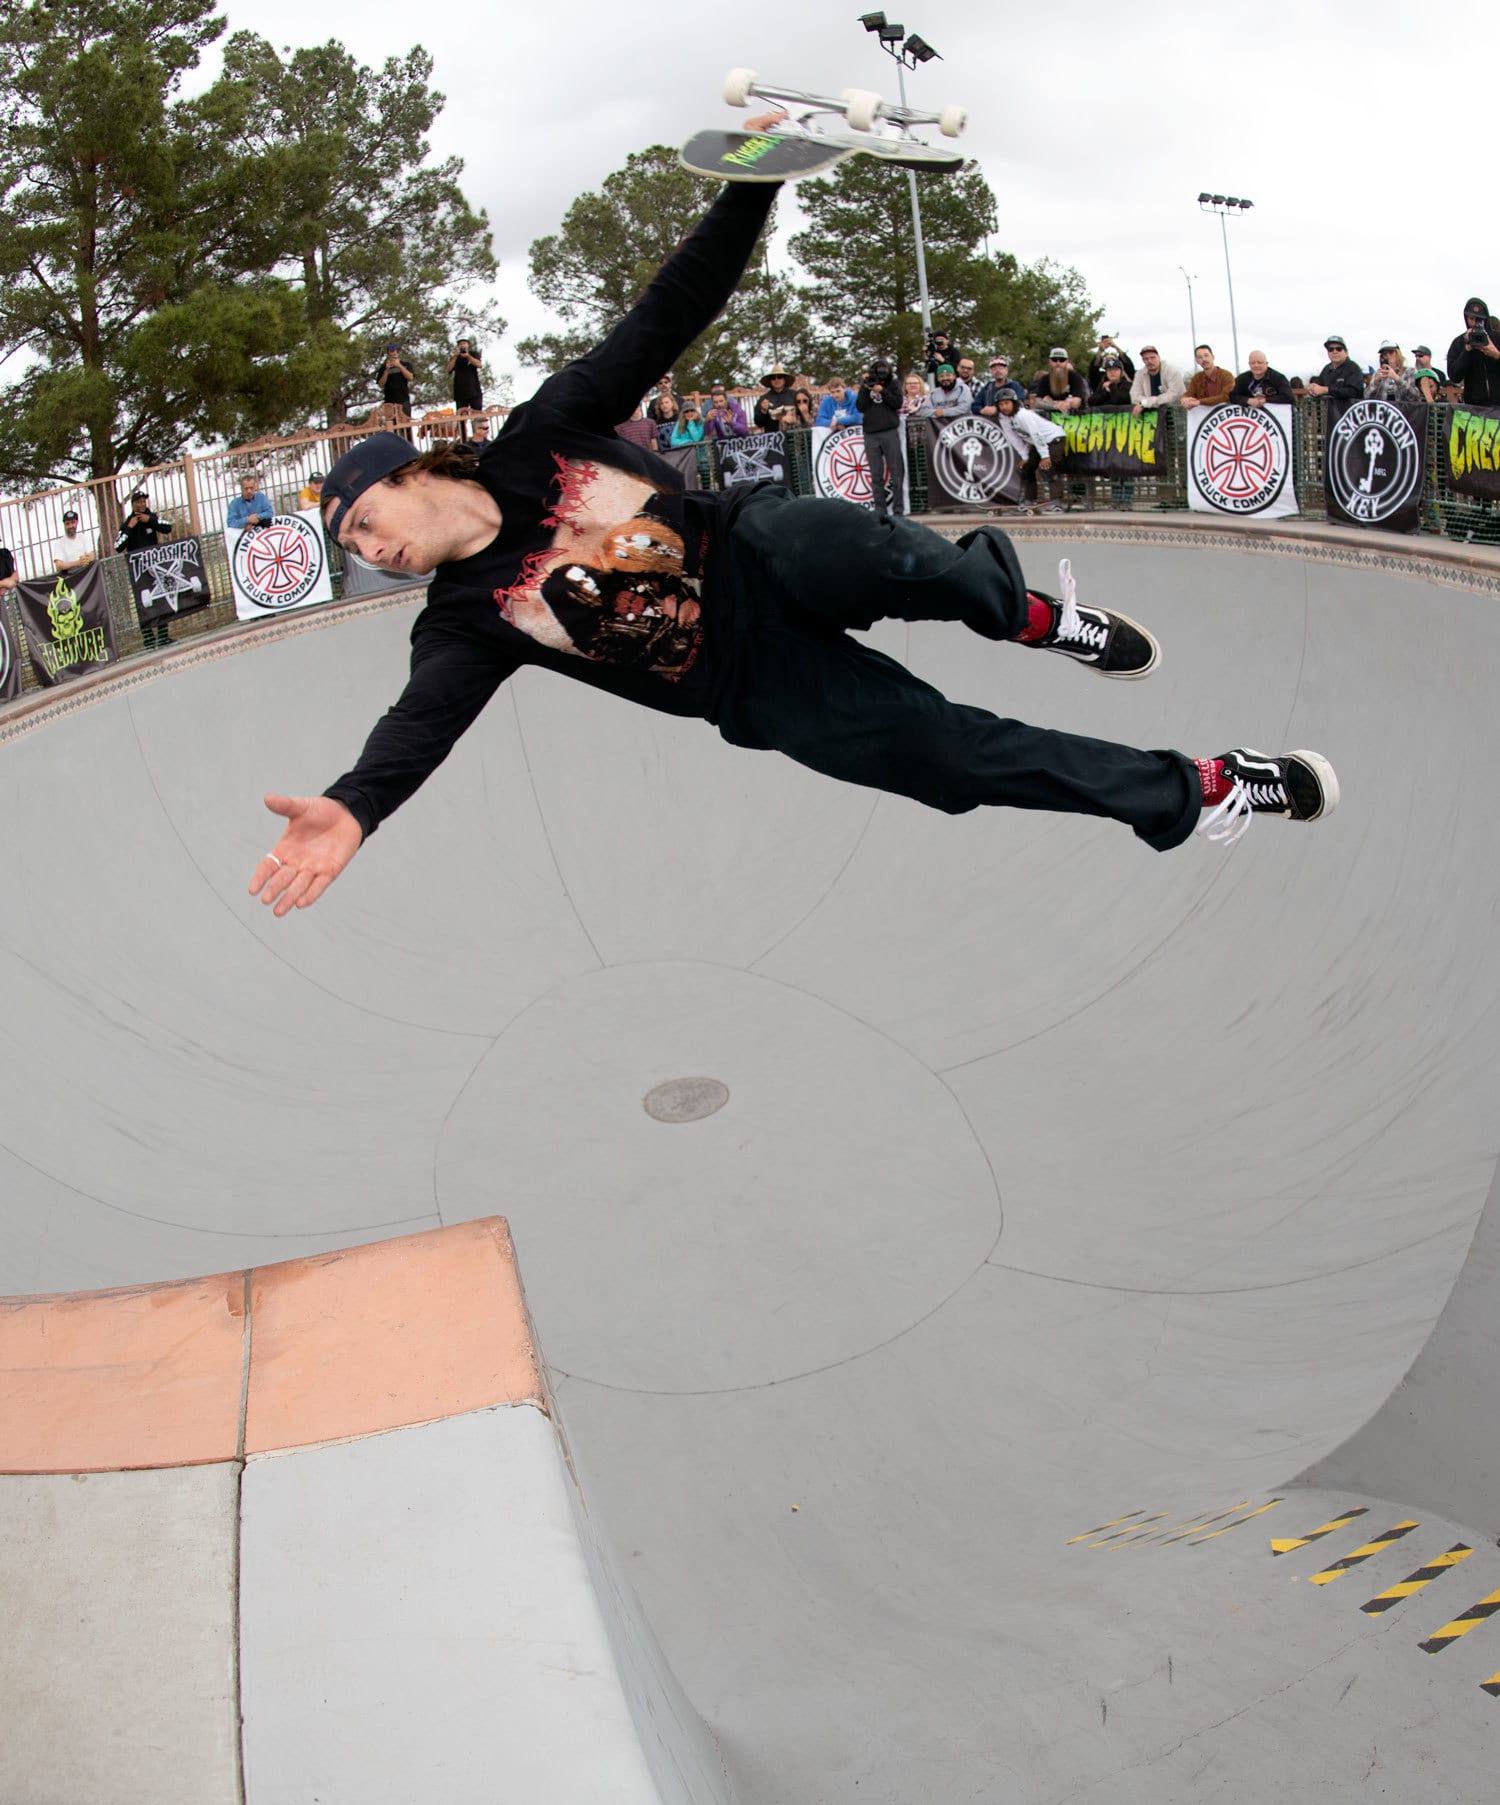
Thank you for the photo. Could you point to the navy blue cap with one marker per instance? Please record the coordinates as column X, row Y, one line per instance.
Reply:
column 360, row 466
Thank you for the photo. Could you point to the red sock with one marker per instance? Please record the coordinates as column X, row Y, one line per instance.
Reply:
column 1211, row 776
column 1042, row 614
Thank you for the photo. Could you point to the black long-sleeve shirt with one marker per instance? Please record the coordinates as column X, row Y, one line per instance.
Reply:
column 1480, row 375
column 1273, row 386
column 604, row 569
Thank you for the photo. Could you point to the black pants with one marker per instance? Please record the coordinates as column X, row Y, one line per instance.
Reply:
column 805, row 570
column 885, row 454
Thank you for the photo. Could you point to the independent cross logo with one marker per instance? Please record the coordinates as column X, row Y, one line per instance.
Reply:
column 1373, row 460
column 1240, row 460
column 973, row 459
column 279, row 564
column 842, row 469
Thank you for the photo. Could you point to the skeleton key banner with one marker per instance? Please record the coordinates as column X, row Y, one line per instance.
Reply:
column 1375, row 463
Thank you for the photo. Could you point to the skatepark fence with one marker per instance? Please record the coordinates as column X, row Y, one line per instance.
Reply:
column 194, row 493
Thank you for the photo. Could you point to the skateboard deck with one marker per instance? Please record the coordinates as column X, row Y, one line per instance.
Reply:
column 787, row 156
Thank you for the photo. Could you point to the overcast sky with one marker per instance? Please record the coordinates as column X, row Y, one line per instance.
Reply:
column 1096, row 126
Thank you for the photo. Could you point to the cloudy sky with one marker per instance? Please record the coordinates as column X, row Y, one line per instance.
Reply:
column 1096, row 126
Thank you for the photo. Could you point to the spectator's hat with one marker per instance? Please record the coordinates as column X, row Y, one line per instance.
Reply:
column 363, row 464
column 1475, row 305
column 777, row 370
column 1056, row 352
column 1150, row 351
column 1111, row 362
column 998, row 359
column 1389, row 344
column 1334, row 343
column 315, row 476
column 1421, row 350
column 139, row 495
column 945, row 369
column 70, row 514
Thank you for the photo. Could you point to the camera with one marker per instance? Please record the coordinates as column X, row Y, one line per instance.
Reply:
column 1476, row 337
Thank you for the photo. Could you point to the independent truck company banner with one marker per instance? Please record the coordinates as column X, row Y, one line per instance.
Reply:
column 970, row 463
column 168, row 579
column 841, row 468
column 279, row 566
column 68, row 629
column 1111, row 442
column 1374, row 463
column 1240, row 459
column 1470, row 451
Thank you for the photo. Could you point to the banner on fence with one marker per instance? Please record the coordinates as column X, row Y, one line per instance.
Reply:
column 971, row 462
column 841, row 468
column 760, row 457
column 279, row 566
column 168, row 579
column 10, row 658
column 1375, row 463
column 1111, row 442
column 1240, row 459
column 1471, row 451
column 684, row 459
column 68, row 629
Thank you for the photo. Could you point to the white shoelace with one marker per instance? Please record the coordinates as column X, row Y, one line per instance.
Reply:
column 1071, row 625
column 1228, row 820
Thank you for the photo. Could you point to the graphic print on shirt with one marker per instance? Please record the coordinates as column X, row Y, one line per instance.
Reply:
column 611, row 585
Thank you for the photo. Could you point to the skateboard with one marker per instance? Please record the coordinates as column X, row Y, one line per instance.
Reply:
column 799, row 147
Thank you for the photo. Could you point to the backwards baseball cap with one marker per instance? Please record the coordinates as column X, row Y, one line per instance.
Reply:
column 368, row 462
column 70, row 513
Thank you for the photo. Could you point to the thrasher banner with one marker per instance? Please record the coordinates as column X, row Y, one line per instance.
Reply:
column 841, row 467
column 760, row 457
column 1240, row 459
column 168, row 579
column 1375, row 463
column 1111, row 442
column 1469, row 459
column 970, row 463
column 279, row 566
column 10, row 657
column 68, row 629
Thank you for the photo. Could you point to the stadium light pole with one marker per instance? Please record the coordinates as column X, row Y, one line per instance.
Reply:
column 1225, row 205
column 908, row 50
column 1192, row 317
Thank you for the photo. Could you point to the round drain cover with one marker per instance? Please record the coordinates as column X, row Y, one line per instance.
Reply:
column 685, row 1099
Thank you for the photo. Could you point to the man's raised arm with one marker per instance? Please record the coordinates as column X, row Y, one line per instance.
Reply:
column 685, row 297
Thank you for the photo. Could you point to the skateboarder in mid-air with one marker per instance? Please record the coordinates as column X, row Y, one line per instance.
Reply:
column 563, row 545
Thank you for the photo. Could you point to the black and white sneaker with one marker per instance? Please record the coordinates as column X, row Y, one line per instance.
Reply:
column 1301, row 786
column 1110, row 643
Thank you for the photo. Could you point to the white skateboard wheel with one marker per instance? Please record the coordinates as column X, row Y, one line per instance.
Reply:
column 952, row 120
column 861, row 107
column 739, row 85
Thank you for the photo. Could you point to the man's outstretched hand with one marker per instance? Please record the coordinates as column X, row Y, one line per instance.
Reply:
column 320, row 839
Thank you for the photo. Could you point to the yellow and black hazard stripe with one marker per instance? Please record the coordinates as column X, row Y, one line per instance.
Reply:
column 1198, row 1540
column 1460, row 1626
column 1382, row 1542
column 1316, row 1535
column 1491, row 1685
column 1200, row 1520
column 1100, row 1528
column 1414, row 1582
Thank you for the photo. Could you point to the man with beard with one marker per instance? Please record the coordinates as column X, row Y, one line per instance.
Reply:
column 1340, row 377
column 775, row 585
column 1210, row 385
column 776, row 402
column 1059, row 389
column 952, row 399
column 879, row 404
column 1474, row 356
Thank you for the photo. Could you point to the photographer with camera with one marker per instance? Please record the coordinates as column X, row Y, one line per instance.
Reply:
column 939, row 350
column 1474, row 356
column 464, row 367
column 879, row 403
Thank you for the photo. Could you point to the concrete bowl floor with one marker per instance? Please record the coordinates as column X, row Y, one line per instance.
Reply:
column 1027, row 1179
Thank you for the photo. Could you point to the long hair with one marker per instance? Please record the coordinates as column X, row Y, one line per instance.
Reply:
column 459, row 463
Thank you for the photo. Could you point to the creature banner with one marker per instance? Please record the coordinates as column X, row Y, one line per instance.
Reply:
column 10, row 658
column 168, row 579
column 1469, row 458
column 1112, row 442
column 971, row 462
column 68, row 629
column 1240, row 459
column 279, row 566
column 1375, row 463
column 841, row 468
column 760, row 457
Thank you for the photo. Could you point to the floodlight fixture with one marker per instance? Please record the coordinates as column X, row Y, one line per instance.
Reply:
column 1224, row 205
column 872, row 21
column 891, row 34
column 920, row 51
column 1204, row 199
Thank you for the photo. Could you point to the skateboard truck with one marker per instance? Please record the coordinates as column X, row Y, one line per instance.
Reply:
column 861, row 108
